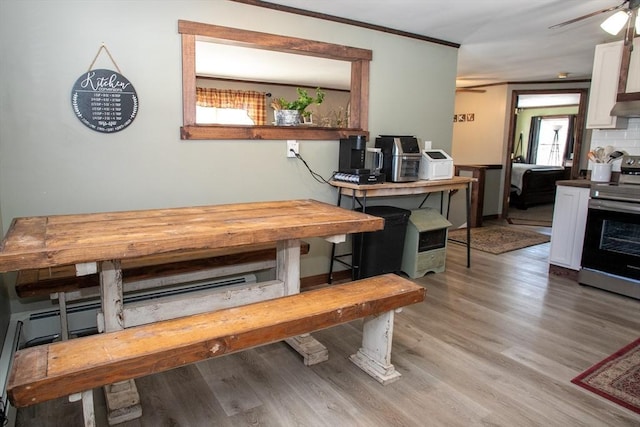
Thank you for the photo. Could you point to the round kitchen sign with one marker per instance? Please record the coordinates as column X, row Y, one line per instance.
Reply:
column 104, row 100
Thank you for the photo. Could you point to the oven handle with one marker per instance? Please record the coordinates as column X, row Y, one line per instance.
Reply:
column 611, row 205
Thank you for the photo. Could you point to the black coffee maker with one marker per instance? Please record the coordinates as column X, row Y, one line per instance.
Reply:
column 353, row 151
column 352, row 160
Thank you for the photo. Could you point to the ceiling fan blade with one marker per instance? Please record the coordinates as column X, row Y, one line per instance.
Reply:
column 571, row 21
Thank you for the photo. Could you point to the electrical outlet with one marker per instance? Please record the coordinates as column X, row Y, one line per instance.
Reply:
column 292, row 145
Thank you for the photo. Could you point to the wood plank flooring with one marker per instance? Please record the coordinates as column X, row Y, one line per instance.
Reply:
column 496, row 344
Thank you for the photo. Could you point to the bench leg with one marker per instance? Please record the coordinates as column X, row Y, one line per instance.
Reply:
column 288, row 265
column 288, row 271
column 123, row 400
column 311, row 350
column 374, row 357
column 88, row 411
column 64, row 319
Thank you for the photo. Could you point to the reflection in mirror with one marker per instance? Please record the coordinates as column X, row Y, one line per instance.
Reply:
column 229, row 106
column 333, row 112
column 268, row 66
column 254, row 73
column 341, row 71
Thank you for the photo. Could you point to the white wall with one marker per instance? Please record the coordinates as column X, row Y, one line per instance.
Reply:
column 52, row 164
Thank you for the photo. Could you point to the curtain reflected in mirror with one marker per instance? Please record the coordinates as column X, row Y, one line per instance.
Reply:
column 226, row 106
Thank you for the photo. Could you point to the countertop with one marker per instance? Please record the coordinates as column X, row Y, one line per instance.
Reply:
column 581, row 183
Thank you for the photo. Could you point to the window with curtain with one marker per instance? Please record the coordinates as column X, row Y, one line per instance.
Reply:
column 551, row 140
column 227, row 106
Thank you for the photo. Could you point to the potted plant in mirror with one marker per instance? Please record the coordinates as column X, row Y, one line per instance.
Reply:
column 291, row 113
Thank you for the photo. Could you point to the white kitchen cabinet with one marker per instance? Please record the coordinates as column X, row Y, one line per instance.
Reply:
column 569, row 221
column 604, row 84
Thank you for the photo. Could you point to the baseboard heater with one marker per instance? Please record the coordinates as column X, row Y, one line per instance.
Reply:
column 44, row 326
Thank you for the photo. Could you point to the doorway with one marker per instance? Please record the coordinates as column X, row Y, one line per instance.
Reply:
column 548, row 105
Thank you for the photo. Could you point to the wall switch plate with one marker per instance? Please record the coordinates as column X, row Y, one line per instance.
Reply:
column 292, row 144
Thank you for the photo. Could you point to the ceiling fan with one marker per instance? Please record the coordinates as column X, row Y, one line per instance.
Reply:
column 627, row 11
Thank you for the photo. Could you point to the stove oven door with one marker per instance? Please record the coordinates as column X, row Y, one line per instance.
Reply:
column 612, row 238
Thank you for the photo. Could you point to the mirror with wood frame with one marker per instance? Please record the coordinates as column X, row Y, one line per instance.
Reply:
column 191, row 32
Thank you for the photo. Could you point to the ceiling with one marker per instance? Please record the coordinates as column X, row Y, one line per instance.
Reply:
column 500, row 40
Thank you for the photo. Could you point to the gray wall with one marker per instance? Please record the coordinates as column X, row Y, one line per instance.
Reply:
column 52, row 164
column 5, row 311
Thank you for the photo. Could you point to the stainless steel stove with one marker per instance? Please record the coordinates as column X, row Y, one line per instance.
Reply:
column 628, row 186
column 611, row 251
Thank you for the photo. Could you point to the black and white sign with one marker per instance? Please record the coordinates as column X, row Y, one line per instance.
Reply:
column 104, row 100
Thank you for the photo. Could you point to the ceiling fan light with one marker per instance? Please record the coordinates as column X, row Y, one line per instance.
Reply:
column 615, row 22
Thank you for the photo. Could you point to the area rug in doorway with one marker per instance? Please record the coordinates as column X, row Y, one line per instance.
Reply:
column 498, row 239
column 540, row 216
column 616, row 378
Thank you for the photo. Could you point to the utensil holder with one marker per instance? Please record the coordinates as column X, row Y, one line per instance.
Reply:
column 601, row 172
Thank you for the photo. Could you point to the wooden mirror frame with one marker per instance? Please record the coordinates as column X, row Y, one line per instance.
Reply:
column 359, row 101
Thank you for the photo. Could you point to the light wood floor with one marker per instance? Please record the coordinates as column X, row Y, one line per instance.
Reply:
column 496, row 344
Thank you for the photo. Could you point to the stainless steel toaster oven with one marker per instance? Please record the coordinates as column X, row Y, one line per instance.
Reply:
column 401, row 157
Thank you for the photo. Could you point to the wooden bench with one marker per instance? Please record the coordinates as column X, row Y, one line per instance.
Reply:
column 62, row 368
column 62, row 283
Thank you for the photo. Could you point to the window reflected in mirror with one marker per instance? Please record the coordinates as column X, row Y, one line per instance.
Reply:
column 223, row 116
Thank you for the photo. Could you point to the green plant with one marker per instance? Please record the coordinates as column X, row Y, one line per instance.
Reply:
column 300, row 104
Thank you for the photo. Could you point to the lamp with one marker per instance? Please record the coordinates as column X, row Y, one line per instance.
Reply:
column 616, row 22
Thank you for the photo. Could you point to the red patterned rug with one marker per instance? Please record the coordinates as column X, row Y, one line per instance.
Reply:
column 616, row 378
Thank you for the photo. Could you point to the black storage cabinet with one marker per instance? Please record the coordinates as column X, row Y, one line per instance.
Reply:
column 380, row 252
